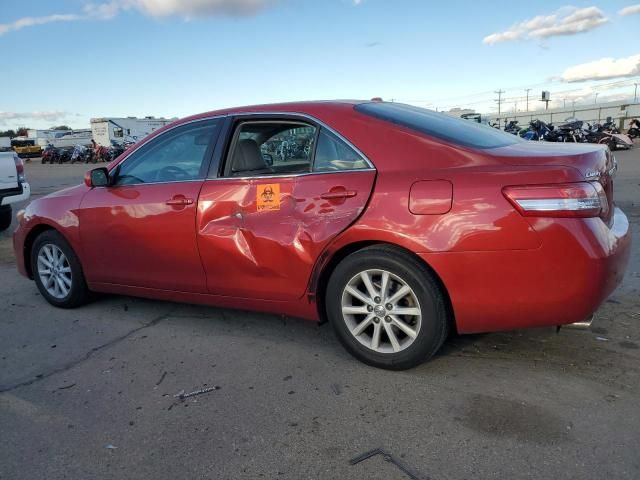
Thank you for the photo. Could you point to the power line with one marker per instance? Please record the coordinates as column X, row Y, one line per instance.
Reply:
column 592, row 89
column 451, row 100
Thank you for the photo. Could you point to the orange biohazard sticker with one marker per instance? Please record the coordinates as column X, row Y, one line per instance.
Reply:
column 268, row 197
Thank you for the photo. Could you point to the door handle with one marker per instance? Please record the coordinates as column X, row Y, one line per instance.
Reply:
column 338, row 194
column 179, row 200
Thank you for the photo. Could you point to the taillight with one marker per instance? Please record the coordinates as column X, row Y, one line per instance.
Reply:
column 19, row 168
column 583, row 199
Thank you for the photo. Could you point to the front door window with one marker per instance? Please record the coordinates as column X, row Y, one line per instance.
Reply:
column 178, row 155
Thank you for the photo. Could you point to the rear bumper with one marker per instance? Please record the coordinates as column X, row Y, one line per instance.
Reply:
column 580, row 263
column 23, row 192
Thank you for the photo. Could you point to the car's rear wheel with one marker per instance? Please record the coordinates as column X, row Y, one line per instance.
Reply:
column 57, row 271
column 386, row 308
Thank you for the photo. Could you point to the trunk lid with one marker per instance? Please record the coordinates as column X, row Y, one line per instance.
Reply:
column 585, row 157
column 594, row 162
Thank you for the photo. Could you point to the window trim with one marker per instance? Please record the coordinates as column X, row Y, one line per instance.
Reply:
column 216, row 172
column 207, row 160
column 292, row 175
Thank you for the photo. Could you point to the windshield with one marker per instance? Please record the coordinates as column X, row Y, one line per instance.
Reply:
column 439, row 125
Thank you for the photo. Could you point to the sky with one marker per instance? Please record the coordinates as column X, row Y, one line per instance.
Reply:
column 67, row 61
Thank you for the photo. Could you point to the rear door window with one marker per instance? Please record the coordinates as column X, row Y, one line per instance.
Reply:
column 271, row 148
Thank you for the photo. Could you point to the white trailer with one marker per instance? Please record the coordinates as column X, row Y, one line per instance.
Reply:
column 106, row 131
column 69, row 138
column 38, row 135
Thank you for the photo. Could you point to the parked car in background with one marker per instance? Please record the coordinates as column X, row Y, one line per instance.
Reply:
column 13, row 186
column 394, row 223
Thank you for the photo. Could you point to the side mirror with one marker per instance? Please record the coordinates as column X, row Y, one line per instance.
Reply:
column 98, row 177
column 268, row 158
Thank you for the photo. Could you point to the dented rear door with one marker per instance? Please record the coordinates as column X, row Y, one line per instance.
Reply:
column 260, row 237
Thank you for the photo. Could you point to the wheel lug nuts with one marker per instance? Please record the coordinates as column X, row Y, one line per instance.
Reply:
column 376, row 320
column 387, row 319
column 388, row 306
column 377, row 299
column 369, row 308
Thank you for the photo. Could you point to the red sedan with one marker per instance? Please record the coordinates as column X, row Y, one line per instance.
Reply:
column 394, row 223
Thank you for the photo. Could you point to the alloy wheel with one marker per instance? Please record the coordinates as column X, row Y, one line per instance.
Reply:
column 381, row 311
column 54, row 271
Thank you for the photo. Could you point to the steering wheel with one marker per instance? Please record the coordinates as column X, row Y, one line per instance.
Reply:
column 172, row 172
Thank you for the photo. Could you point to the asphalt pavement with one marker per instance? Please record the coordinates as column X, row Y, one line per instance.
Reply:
column 139, row 389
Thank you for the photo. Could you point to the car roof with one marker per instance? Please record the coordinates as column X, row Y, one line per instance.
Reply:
column 306, row 107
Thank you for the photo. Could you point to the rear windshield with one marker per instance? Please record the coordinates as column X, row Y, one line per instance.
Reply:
column 451, row 129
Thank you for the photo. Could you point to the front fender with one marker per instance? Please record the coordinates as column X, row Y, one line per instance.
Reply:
column 57, row 211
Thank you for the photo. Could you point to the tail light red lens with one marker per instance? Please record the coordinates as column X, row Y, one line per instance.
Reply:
column 583, row 199
column 19, row 168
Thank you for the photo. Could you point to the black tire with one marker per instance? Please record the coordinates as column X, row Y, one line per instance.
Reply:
column 78, row 293
column 434, row 317
column 6, row 216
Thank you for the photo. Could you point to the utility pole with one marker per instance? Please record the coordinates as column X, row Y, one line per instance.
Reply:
column 596, row 97
column 635, row 93
column 564, row 103
column 527, row 90
column 499, row 100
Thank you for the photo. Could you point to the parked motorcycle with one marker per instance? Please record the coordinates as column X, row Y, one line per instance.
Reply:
column 64, row 155
column 571, row 131
column 115, row 150
column 101, row 154
column 49, row 154
column 634, row 129
column 538, row 131
column 603, row 134
column 78, row 154
column 610, row 126
column 89, row 156
column 512, row 127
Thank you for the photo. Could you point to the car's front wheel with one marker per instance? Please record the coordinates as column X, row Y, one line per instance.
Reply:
column 386, row 308
column 57, row 271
